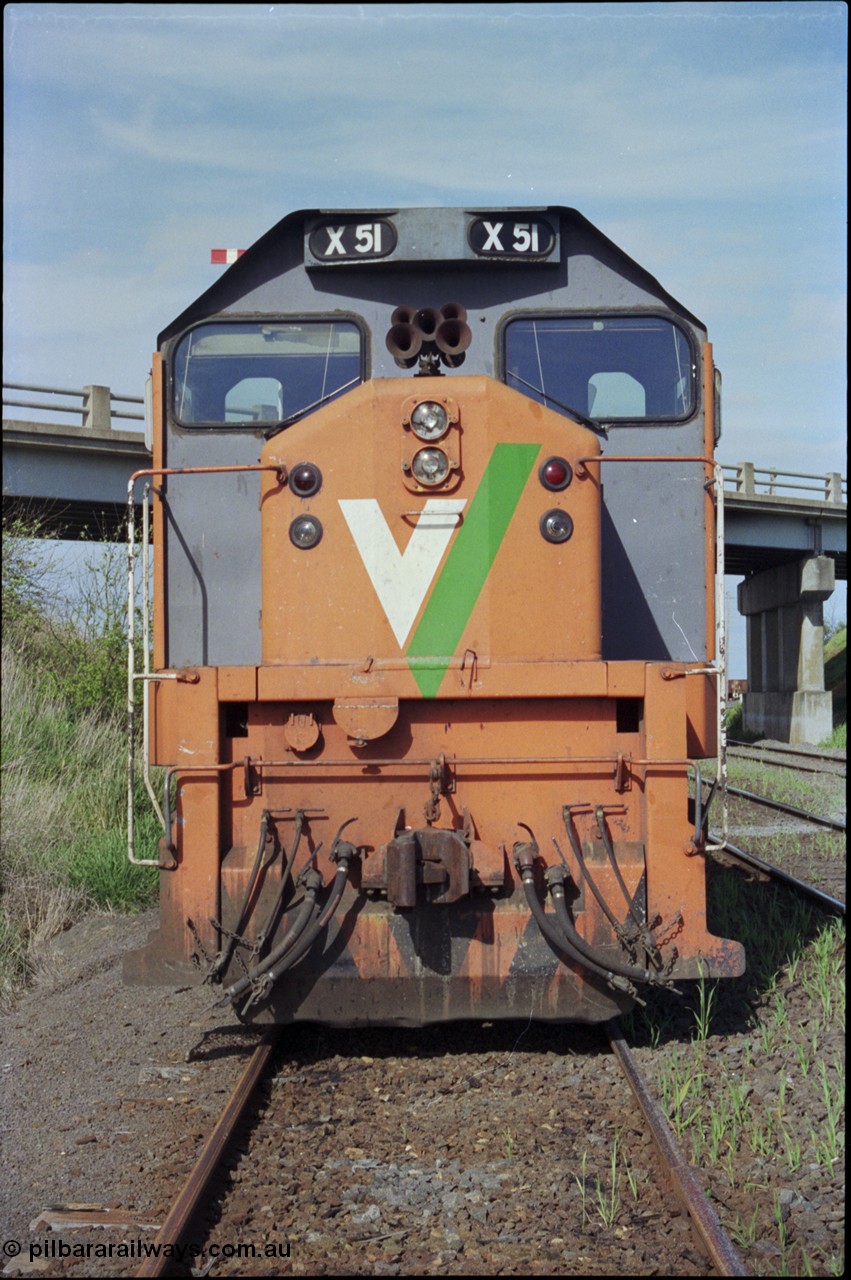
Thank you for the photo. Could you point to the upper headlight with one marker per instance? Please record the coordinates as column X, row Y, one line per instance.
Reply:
column 429, row 420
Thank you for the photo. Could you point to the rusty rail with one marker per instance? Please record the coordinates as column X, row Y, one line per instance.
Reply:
column 688, row 1190
column 766, row 871
column 180, row 1215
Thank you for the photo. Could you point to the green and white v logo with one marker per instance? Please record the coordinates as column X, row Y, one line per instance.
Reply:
column 402, row 579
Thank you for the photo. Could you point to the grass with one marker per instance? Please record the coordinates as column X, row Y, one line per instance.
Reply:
column 789, row 1012
column 63, row 848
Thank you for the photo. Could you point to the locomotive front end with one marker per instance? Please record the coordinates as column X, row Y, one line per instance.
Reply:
column 423, row 633
column 429, row 733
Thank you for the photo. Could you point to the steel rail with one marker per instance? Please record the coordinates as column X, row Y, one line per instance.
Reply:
column 787, row 749
column 750, row 860
column 683, row 1179
column 783, row 757
column 835, row 823
column 182, row 1211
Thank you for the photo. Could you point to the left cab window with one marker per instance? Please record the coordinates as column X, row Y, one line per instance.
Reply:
column 258, row 373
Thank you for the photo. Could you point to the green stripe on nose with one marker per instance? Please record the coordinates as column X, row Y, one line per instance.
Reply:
column 470, row 560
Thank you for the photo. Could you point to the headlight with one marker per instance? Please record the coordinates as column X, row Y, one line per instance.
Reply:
column 430, row 466
column 429, row 420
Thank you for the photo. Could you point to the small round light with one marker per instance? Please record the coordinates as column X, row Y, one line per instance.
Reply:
column 555, row 474
column 430, row 466
column 305, row 480
column 305, row 532
column 556, row 526
column 429, row 420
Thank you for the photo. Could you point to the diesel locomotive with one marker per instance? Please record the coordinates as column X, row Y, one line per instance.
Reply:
column 436, row 641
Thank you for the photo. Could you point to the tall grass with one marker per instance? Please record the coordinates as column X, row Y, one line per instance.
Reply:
column 63, row 842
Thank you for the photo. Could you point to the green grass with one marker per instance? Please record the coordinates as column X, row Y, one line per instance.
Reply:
column 63, row 847
column 718, row 1103
column 64, row 753
column 835, row 678
column 836, row 739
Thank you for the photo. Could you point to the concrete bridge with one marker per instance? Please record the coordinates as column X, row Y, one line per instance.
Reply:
column 71, row 476
column 785, row 532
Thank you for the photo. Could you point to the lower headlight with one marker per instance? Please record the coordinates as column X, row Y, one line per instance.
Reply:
column 430, row 466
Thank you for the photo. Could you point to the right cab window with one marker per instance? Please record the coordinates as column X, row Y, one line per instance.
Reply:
column 610, row 368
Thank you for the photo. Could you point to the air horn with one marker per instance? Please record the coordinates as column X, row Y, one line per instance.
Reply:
column 429, row 334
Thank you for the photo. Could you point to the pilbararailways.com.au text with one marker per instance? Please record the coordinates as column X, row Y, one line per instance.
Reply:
column 58, row 1248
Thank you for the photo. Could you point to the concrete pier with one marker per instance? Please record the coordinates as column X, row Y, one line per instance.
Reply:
column 784, row 607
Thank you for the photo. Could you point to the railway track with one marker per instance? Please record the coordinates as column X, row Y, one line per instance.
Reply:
column 373, row 1219
column 805, row 759
column 731, row 854
column 800, row 848
column 686, row 1195
column 171, row 1234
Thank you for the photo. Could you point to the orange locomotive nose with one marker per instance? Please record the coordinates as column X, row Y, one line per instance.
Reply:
column 453, row 558
column 440, row 634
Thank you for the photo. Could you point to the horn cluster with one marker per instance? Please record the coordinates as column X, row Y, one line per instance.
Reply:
column 439, row 334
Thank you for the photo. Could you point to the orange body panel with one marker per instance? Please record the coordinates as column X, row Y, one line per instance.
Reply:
column 321, row 607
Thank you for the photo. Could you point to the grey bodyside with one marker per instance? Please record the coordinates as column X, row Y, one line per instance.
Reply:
column 654, row 573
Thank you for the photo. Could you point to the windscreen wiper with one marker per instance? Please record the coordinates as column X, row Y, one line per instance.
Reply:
column 581, row 418
column 308, row 408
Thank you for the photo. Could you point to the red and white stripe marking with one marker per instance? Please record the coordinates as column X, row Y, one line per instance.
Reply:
column 226, row 256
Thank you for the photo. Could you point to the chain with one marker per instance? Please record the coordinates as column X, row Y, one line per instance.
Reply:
column 432, row 806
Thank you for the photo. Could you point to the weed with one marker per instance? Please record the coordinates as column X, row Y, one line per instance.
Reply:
column 703, row 1015
column 760, row 1136
column 64, row 759
column 678, row 1083
column 608, row 1204
column 582, row 1184
column 745, row 1233
column 831, row 1145
column 793, row 1151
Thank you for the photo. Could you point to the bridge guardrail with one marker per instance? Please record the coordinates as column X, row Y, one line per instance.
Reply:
column 748, row 480
column 96, row 409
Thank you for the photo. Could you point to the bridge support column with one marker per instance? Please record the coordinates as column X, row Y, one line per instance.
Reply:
column 784, row 607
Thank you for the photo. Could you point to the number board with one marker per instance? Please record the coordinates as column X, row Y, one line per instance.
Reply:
column 501, row 236
column 350, row 241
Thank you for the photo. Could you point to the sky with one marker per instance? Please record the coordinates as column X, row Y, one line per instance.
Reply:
column 708, row 140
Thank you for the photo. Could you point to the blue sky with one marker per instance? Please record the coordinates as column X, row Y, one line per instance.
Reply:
column 707, row 139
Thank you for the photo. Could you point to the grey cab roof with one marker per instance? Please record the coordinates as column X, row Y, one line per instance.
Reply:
column 282, row 249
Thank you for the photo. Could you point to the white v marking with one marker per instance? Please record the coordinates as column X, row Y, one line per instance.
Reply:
column 401, row 579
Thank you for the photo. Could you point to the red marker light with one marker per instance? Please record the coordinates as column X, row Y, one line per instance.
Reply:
column 555, row 474
column 305, row 480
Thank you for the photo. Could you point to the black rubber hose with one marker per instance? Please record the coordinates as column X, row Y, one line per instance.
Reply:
column 586, row 874
column 560, row 942
column 307, row 914
column 625, row 970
